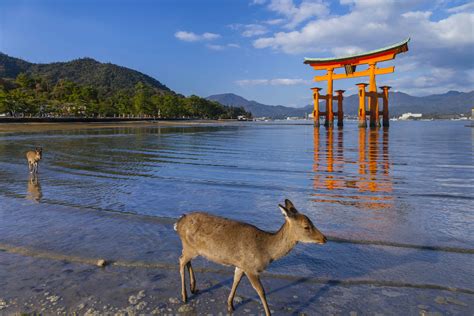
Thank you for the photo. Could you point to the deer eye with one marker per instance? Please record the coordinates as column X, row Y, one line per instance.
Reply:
column 306, row 227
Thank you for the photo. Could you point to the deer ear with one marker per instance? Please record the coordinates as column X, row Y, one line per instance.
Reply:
column 289, row 206
column 287, row 213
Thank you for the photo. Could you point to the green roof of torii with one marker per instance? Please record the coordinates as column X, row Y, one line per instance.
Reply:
column 372, row 52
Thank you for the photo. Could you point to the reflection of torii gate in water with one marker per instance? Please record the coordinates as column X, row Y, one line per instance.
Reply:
column 369, row 187
column 350, row 63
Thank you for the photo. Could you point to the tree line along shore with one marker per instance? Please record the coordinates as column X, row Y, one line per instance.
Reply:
column 35, row 96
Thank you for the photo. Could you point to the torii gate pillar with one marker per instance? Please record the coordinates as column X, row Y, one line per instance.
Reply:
column 329, row 122
column 373, row 99
column 316, row 106
column 386, row 118
column 340, row 111
column 361, row 112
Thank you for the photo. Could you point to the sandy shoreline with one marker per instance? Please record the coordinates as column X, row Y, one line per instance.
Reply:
column 60, row 287
column 142, row 277
column 41, row 127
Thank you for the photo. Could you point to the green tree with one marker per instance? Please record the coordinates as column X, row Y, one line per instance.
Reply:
column 64, row 90
column 123, row 103
column 28, row 95
column 156, row 104
column 142, row 99
column 25, row 81
column 172, row 107
column 19, row 102
column 3, row 101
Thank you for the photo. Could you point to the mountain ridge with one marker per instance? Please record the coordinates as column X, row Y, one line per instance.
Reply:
column 88, row 88
column 106, row 77
column 449, row 103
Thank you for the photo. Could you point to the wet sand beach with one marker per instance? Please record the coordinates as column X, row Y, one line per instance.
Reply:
column 41, row 127
column 32, row 284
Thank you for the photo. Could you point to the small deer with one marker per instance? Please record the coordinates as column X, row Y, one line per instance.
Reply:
column 244, row 246
column 33, row 157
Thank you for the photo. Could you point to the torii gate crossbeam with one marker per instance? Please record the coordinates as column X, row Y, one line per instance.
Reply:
column 350, row 63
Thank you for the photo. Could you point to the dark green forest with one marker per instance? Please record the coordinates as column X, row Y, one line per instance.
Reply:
column 88, row 88
column 34, row 96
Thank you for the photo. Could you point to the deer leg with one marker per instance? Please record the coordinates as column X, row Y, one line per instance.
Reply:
column 183, row 261
column 30, row 167
column 255, row 281
column 237, row 277
column 192, row 278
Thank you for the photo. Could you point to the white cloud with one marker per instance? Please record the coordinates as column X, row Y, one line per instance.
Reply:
column 218, row 47
column 257, row 2
column 441, row 46
column 272, row 82
column 274, row 21
column 186, row 36
column 346, row 50
column 462, row 8
column 215, row 47
column 210, row 36
column 298, row 14
column 457, row 29
column 193, row 37
column 383, row 21
column 251, row 30
column 432, row 81
column 252, row 82
column 417, row 15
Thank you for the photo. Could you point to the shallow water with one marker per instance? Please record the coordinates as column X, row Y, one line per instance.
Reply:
column 397, row 204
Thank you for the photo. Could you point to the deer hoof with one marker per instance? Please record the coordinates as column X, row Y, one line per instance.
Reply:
column 230, row 308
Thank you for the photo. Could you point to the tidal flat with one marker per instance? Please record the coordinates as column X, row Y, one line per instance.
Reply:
column 395, row 204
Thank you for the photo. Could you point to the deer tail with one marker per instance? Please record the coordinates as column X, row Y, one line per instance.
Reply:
column 175, row 226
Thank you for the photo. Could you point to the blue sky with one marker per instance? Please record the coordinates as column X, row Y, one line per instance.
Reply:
column 254, row 48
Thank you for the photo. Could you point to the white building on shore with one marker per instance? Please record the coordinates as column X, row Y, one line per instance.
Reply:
column 410, row 116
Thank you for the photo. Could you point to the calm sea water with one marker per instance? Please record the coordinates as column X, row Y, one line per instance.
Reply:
column 397, row 204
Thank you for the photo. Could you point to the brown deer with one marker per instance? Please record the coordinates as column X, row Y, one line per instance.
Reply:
column 244, row 246
column 33, row 157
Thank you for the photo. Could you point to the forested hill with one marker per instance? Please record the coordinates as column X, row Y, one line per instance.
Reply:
column 105, row 77
column 88, row 88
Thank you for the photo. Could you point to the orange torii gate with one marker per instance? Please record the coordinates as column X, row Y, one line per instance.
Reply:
column 350, row 63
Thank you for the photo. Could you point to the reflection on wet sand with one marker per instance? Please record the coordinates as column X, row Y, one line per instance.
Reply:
column 34, row 192
column 370, row 188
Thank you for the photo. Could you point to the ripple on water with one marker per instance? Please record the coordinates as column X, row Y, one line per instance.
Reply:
column 383, row 197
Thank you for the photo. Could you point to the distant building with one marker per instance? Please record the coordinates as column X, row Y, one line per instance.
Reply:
column 410, row 116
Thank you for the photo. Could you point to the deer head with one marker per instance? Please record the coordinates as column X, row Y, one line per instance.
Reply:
column 301, row 227
column 39, row 152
